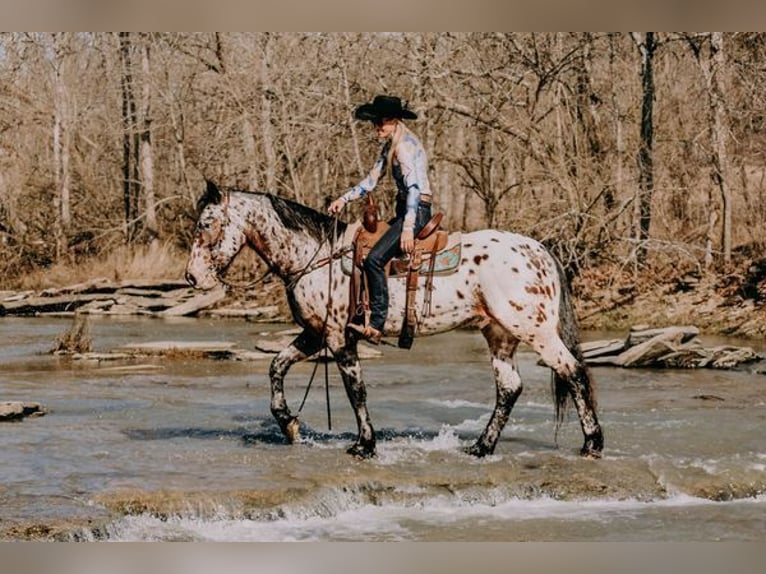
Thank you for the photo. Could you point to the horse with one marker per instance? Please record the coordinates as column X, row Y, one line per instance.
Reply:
column 507, row 285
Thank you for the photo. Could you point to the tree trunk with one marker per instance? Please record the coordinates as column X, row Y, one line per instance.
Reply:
column 267, row 127
column 349, row 106
column 610, row 198
column 712, row 69
column 720, row 129
column 61, row 147
column 129, row 140
column 646, row 46
column 146, row 153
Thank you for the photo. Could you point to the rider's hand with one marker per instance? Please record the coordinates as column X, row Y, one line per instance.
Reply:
column 407, row 241
column 336, row 206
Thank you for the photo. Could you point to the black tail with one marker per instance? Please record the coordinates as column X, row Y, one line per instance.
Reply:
column 570, row 335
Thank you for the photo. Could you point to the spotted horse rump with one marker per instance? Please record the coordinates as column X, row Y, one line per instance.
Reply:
column 507, row 285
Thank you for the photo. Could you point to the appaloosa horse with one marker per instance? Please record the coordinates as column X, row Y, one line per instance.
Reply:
column 507, row 284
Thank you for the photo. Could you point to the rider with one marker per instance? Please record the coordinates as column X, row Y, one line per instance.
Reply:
column 404, row 156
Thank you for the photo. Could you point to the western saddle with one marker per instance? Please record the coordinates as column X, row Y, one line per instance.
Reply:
column 428, row 242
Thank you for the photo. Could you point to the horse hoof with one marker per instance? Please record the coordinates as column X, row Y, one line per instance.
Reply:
column 293, row 431
column 477, row 450
column 592, row 448
column 359, row 451
column 590, row 454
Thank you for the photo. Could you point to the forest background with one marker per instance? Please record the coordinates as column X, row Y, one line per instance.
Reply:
column 637, row 158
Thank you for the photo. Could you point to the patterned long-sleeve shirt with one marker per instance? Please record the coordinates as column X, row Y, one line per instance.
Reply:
column 410, row 172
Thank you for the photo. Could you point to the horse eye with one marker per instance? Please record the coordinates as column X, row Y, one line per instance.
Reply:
column 209, row 232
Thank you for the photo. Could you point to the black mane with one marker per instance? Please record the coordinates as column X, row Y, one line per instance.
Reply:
column 300, row 217
column 293, row 215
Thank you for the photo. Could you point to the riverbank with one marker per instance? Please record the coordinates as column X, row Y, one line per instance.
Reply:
column 607, row 298
column 732, row 304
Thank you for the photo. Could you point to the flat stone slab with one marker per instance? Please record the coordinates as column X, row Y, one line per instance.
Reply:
column 266, row 312
column 15, row 410
column 163, row 347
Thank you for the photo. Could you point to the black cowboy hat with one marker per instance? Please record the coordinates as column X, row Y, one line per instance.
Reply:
column 384, row 107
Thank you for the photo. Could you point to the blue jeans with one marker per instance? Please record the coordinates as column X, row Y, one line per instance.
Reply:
column 382, row 252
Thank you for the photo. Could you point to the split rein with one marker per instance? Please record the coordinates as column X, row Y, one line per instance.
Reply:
column 311, row 266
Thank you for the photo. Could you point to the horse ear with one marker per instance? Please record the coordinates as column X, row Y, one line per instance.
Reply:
column 212, row 195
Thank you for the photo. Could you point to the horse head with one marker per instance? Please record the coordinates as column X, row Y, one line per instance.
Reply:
column 217, row 239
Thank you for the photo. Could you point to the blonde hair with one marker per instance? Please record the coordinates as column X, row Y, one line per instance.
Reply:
column 400, row 130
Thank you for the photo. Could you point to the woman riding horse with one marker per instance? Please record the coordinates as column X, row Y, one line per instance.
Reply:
column 405, row 158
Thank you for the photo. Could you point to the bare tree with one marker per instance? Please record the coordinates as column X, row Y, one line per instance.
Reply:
column 146, row 153
column 712, row 66
column 61, row 143
column 130, row 139
column 646, row 45
column 524, row 131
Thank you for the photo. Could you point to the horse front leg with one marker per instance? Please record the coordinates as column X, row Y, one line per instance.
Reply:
column 303, row 346
column 351, row 372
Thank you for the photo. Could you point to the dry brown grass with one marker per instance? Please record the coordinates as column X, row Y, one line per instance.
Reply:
column 155, row 261
column 76, row 339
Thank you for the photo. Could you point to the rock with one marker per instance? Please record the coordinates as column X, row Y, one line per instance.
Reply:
column 14, row 410
column 180, row 347
column 266, row 312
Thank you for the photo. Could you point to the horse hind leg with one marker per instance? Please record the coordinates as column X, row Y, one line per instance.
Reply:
column 502, row 346
column 581, row 390
column 572, row 380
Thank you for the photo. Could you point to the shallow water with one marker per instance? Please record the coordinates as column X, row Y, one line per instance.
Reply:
column 186, row 449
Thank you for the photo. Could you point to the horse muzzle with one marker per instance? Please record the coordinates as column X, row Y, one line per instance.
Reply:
column 203, row 282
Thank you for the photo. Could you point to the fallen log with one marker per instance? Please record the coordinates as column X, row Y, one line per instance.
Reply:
column 195, row 304
column 101, row 285
column 670, row 347
column 640, row 334
column 159, row 285
column 594, row 349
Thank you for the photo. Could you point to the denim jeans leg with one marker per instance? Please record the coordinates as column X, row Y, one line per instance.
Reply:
column 387, row 247
column 382, row 252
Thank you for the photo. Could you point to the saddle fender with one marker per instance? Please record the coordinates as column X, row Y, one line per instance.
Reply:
column 435, row 252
